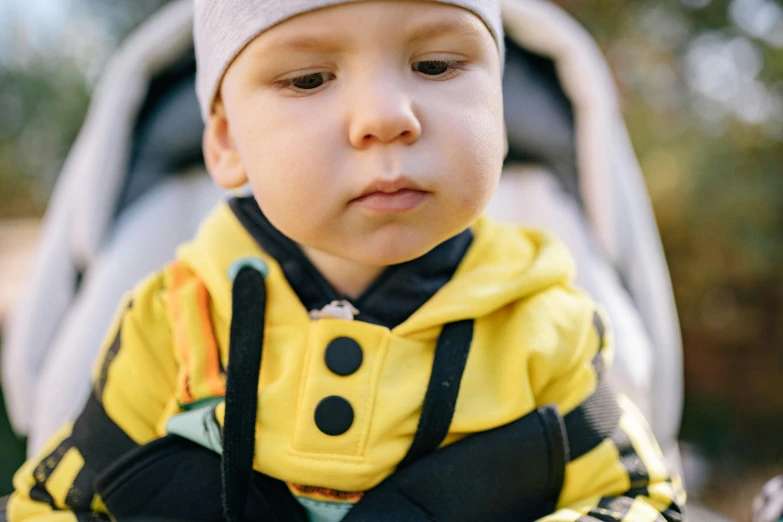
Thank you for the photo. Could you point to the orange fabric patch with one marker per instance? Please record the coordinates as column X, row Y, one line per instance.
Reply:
column 325, row 494
column 212, row 363
column 200, row 375
column 180, row 331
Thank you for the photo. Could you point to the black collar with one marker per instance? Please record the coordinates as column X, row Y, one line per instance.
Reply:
column 399, row 291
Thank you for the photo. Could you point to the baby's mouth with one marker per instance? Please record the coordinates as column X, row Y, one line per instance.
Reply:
column 403, row 200
column 392, row 195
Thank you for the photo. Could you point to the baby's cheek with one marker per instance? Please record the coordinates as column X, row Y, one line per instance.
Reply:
column 474, row 190
column 474, row 201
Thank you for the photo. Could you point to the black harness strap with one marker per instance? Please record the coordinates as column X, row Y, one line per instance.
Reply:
column 597, row 418
column 451, row 355
column 593, row 421
column 246, row 340
column 586, row 426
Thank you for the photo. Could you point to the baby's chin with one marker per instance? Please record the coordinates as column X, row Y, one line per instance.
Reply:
column 395, row 252
column 383, row 259
column 392, row 251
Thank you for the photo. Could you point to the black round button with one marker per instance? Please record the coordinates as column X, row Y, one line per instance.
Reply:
column 334, row 415
column 343, row 356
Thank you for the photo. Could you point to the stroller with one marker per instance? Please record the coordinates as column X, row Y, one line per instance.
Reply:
column 135, row 176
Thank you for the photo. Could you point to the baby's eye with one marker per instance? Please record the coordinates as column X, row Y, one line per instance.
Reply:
column 307, row 82
column 310, row 81
column 437, row 67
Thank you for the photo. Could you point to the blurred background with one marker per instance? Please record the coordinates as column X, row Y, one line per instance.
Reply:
column 701, row 83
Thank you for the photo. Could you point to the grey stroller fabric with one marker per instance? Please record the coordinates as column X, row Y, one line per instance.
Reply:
column 539, row 117
column 167, row 136
column 768, row 504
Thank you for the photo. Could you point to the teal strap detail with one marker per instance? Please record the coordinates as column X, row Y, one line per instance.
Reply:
column 207, row 402
column 321, row 511
column 198, row 425
column 251, row 262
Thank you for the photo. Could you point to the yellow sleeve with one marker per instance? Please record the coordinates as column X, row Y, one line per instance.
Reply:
column 623, row 477
column 134, row 383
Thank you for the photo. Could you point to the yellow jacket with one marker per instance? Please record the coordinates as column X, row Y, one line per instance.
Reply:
column 535, row 343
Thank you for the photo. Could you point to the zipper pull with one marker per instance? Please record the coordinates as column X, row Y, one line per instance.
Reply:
column 335, row 310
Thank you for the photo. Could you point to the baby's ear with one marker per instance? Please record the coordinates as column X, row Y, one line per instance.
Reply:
column 220, row 152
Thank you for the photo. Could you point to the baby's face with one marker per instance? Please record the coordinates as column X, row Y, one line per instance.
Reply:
column 371, row 131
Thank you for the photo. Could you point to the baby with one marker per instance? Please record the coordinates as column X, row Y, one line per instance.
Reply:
column 353, row 341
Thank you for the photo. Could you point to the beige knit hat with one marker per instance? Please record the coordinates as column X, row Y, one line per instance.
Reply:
column 222, row 28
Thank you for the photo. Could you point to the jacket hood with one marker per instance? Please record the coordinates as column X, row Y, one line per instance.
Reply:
column 505, row 263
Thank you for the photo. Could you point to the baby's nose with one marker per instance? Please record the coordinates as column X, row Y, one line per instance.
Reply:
column 384, row 117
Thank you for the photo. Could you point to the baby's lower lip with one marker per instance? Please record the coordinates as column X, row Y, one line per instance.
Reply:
column 387, row 202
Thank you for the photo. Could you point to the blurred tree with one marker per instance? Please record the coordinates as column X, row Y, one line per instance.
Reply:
column 45, row 81
column 701, row 83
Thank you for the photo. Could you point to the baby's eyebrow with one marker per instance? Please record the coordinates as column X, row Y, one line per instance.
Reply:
column 432, row 30
column 309, row 43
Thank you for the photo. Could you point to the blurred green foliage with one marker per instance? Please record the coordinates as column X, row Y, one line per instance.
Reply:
column 11, row 450
column 48, row 66
column 701, row 84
